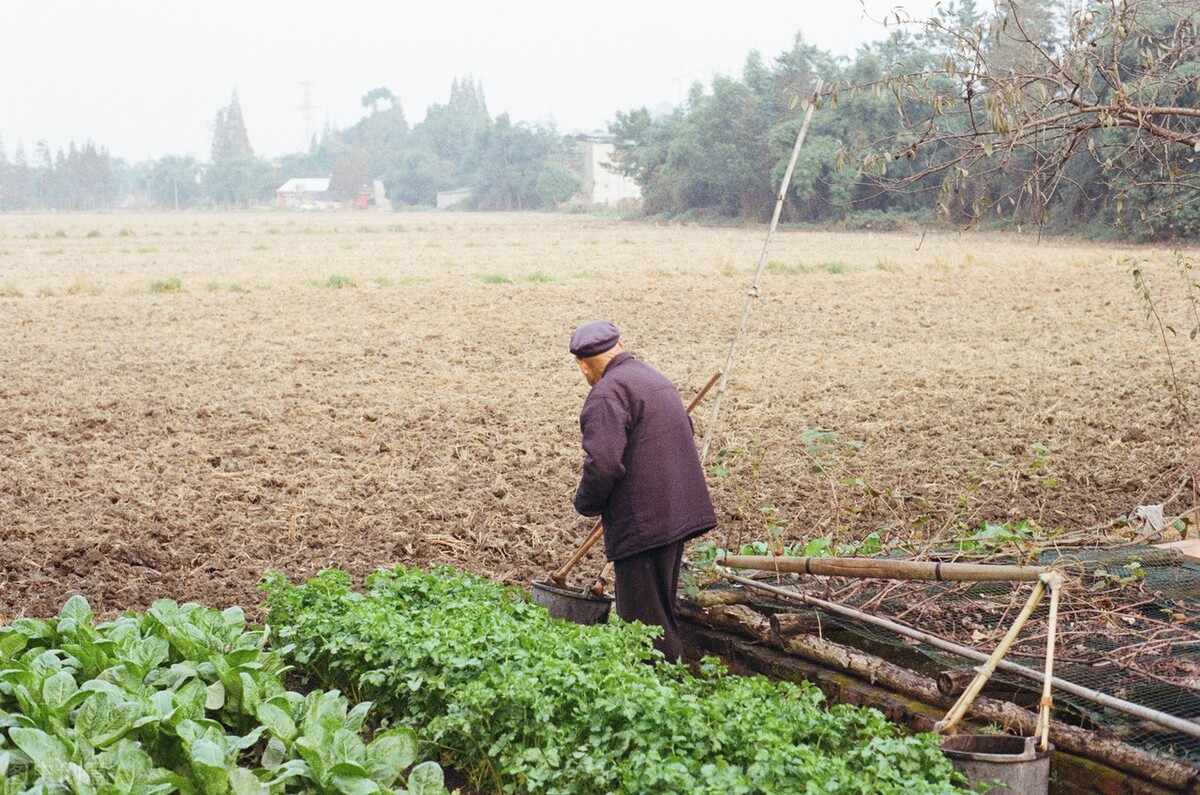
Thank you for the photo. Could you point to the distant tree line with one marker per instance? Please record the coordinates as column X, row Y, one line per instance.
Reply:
column 79, row 179
column 1052, row 112
column 1077, row 116
column 507, row 165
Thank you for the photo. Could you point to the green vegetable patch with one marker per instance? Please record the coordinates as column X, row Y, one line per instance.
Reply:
column 180, row 699
column 522, row 703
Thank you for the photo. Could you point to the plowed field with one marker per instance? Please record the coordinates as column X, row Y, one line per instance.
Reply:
column 189, row 400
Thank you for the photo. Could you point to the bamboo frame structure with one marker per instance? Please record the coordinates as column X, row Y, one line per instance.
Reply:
column 1181, row 725
column 948, row 724
column 1045, row 579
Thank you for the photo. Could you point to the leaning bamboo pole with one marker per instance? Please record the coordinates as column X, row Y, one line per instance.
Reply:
column 1181, row 725
column 959, row 710
column 1054, row 583
column 885, row 568
column 753, row 293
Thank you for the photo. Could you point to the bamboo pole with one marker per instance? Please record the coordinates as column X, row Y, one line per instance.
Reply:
column 884, row 568
column 1054, row 583
column 1181, row 725
column 753, row 294
column 948, row 724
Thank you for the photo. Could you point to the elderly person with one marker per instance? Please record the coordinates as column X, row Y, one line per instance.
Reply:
column 641, row 475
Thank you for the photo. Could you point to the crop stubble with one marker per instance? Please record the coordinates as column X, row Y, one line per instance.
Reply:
column 179, row 444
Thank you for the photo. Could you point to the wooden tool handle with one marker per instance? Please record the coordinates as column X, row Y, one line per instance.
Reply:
column 598, row 586
column 700, row 395
column 561, row 575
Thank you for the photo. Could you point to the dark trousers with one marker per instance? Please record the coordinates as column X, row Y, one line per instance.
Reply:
column 645, row 586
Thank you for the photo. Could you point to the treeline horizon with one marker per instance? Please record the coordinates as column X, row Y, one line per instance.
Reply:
column 719, row 157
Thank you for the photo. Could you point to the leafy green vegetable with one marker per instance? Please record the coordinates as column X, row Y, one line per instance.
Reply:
column 523, row 703
column 181, row 699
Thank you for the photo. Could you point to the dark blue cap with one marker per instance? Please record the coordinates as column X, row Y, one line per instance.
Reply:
column 594, row 338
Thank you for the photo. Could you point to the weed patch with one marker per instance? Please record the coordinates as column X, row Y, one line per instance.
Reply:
column 493, row 278
column 338, row 282
column 779, row 268
column 171, row 285
column 83, row 285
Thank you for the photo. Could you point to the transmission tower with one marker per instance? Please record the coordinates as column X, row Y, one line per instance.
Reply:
column 306, row 107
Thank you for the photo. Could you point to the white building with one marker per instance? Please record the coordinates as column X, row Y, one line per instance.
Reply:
column 304, row 192
column 602, row 186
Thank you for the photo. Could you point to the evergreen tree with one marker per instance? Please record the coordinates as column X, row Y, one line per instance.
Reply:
column 517, row 167
column 172, row 182
column 641, row 146
column 230, row 139
column 17, row 194
column 449, row 131
column 236, row 176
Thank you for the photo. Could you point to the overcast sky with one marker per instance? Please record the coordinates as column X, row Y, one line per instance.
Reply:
column 145, row 78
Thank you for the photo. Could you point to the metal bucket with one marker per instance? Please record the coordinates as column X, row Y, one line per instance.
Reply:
column 571, row 604
column 1012, row 764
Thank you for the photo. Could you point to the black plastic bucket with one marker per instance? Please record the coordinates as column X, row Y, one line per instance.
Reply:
column 570, row 604
column 1011, row 764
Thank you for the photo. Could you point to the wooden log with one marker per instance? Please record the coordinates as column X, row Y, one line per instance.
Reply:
column 738, row 619
column 712, row 596
column 952, row 683
column 1190, row 728
column 787, row 624
column 885, row 569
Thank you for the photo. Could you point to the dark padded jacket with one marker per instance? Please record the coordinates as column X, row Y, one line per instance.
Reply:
column 641, row 472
